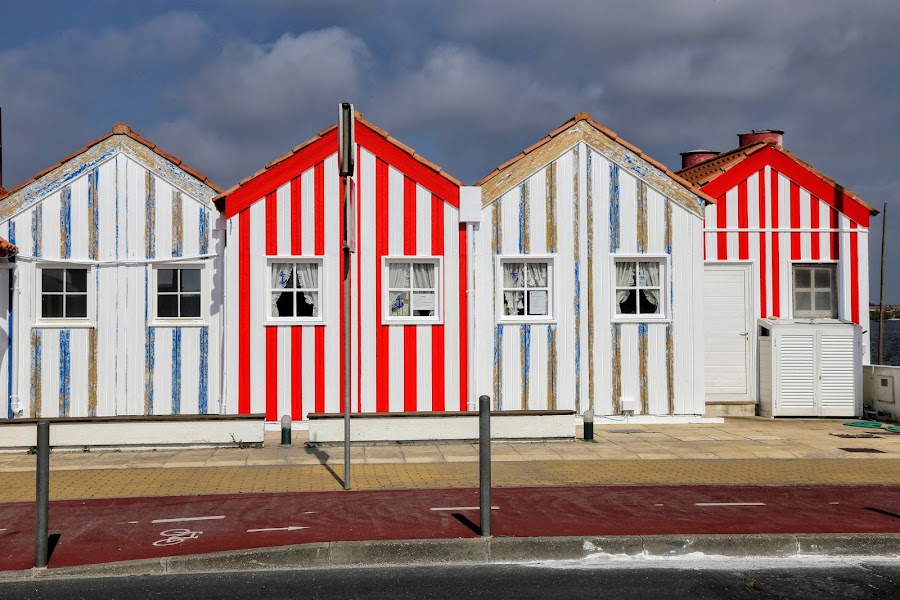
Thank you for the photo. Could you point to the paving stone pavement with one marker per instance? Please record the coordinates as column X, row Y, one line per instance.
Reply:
column 741, row 450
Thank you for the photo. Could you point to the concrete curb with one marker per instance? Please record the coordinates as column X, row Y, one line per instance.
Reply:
column 484, row 551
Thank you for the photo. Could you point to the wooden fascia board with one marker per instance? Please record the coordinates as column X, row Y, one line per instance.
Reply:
column 537, row 159
column 831, row 194
column 107, row 148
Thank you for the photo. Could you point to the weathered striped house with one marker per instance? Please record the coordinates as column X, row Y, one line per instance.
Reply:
column 782, row 240
column 589, row 274
column 112, row 306
column 284, row 280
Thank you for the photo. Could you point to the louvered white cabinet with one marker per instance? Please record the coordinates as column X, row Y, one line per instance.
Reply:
column 809, row 368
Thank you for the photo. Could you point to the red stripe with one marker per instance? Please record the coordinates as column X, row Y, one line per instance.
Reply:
column 319, row 186
column 271, row 332
column 854, row 273
column 463, row 320
column 814, row 224
column 410, row 385
column 382, row 359
column 722, row 223
column 776, row 251
column 835, row 222
column 795, row 221
column 743, row 222
column 244, row 313
column 296, row 332
column 438, row 401
column 359, row 296
column 763, row 288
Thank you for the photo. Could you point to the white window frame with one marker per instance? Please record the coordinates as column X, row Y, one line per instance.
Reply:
column 664, row 283
column 271, row 321
column 153, row 291
column 834, row 267
column 550, row 317
column 386, row 317
column 64, row 322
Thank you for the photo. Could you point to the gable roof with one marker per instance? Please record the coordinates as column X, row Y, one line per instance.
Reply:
column 322, row 145
column 97, row 150
column 583, row 127
column 722, row 172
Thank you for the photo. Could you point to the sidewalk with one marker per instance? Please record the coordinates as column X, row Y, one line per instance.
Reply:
column 739, row 451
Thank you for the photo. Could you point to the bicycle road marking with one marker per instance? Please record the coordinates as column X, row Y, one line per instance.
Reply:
column 176, row 520
column 729, row 504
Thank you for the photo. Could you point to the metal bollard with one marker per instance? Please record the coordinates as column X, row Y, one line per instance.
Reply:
column 286, row 430
column 589, row 425
column 42, row 497
column 484, row 462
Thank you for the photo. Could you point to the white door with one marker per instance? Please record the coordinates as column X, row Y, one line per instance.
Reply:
column 726, row 331
column 837, row 375
column 795, row 371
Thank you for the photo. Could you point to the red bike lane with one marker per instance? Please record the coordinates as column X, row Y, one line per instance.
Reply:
column 108, row 530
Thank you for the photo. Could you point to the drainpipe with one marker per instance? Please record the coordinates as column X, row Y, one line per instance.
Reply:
column 470, row 214
column 222, row 243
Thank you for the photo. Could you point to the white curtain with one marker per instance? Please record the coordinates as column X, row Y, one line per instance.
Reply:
column 513, row 278
column 537, row 274
column 398, row 277
column 624, row 278
column 281, row 278
column 423, row 276
column 650, row 278
column 308, row 279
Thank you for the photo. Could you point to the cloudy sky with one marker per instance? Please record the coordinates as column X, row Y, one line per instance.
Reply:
column 228, row 85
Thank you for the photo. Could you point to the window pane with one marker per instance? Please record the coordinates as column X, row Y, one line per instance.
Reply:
column 165, row 280
column 648, row 274
column 167, row 306
column 513, row 276
column 190, row 280
column 649, row 302
column 537, row 302
column 537, row 276
column 51, row 306
column 399, row 304
column 307, row 275
column 190, row 305
column 803, row 301
column 76, row 306
column 514, row 303
column 423, row 276
column 76, row 280
column 823, row 302
column 626, row 302
column 823, row 278
column 802, row 277
column 398, row 275
column 423, row 304
column 307, row 304
column 282, row 304
column 52, row 280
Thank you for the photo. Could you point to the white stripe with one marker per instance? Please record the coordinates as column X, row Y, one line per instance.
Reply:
column 333, row 229
column 446, row 508
column 395, row 248
column 731, row 221
column 805, row 220
column 259, row 306
column 729, row 504
column 367, row 252
column 178, row 519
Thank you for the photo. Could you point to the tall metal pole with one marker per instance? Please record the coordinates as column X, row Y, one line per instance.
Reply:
column 484, row 462
column 881, row 294
column 42, row 496
column 347, row 380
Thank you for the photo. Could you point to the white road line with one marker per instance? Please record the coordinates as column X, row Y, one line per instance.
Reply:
column 291, row 528
column 657, row 505
column 834, row 503
column 463, row 508
column 133, row 522
column 187, row 519
column 729, row 504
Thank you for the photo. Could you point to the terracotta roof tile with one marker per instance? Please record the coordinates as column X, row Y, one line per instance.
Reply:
column 377, row 130
column 120, row 129
column 7, row 249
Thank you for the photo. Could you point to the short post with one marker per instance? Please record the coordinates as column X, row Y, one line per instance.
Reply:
column 42, row 497
column 484, row 462
column 589, row 425
column 286, row 430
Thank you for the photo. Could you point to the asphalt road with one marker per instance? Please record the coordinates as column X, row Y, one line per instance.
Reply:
column 97, row 531
column 688, row 580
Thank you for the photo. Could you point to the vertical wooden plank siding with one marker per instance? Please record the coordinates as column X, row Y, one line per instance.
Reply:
column 576, row 245
column 551, row 235
column 524, row 330
column 670, row 327
column 497, row 246
column 616, row 388
column 177, row 224
column 589, row 191
column 36, row 367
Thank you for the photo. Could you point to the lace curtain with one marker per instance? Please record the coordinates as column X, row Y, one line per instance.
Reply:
column 308, row 279
column 398, row 277
column 624, row 278
column 282, row 273
column 650, row 278
column 513, row 278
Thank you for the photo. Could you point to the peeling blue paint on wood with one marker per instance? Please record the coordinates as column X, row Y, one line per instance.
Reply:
column 670, row 366
column 616, row 387
column 203, row 400
column 204, row 230
column 576, row 245
column 37, row 231
column 93, row 214
column 65, row 222
column 65, row 372
column 150, row 216
column 613, row 207
column 149, row 350
column 525, row 334
column 36, row 367
column 643, row 375
column 589, row 193
column 176, row 370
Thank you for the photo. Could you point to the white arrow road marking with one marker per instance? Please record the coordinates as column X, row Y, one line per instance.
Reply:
column 187, row 519
column 291, row 528
column 729, row 504
column 463, row 508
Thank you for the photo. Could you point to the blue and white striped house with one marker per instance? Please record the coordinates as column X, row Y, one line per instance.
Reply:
column 116, row 294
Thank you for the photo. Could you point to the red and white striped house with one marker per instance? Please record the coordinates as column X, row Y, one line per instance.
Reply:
column 782, row 240
column 284, row 278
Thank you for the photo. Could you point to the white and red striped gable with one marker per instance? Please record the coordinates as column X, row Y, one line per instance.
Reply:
column 773, row 210
column 407, row 207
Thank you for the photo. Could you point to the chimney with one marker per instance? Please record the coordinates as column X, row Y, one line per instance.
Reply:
column 695, row 157
column 763, row 135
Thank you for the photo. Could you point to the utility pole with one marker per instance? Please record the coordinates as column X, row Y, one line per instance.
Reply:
column 346, row 156
column 881, row 294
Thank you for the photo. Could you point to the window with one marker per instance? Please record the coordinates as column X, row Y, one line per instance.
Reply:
column 814, row 291
column 64, row 293
column 526, row 285
column 413, row 290
column 639, row 290
column 178, row 293
column 295, row 289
